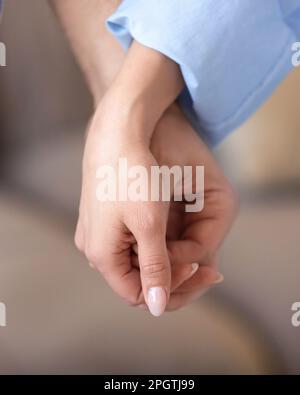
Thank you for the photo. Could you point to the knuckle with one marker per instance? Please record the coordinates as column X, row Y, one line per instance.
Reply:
column 130, row 301
column 232, row 200
column 154, row 267
column 147, row 222
column 78, row 243
column 171, row 309
column 228, row 202
column 133, row 299
column 94, row 255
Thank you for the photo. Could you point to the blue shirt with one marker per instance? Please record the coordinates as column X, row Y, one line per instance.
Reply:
column 232, row 53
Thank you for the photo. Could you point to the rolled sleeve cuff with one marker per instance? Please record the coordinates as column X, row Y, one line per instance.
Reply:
column 232, row 54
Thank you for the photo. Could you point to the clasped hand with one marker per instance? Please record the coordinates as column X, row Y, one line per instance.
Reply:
column 152, row 254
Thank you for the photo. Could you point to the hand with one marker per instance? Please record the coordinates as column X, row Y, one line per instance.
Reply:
column 118, row 132
column 194, row 237
column 122, row 127
column 107, row 231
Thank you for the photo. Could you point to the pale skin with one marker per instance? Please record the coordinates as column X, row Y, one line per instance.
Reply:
column 152, row 254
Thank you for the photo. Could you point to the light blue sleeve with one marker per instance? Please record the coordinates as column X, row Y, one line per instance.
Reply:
column 232, row 53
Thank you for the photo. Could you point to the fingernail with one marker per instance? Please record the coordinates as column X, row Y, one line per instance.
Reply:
column 91, row 265
column 195, row 267
column 157, row 301
column 219, row 279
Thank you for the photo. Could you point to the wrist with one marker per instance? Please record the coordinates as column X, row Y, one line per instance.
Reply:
column 149, row 77
column 126, row 116
column 147, row 84
column 121, row 121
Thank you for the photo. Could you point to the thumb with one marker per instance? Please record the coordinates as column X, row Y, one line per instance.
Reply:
column 155, row 270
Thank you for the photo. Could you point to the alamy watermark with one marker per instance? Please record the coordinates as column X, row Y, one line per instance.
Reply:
column 296, row 54
column 2, row 55
column 159, row 183
column 2, row 315
column 296, row 315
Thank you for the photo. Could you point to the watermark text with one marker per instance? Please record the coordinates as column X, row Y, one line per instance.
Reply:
column 296, row 315
column 157, row 183
column 296, row 54
column 2, row 55
column 2, row 315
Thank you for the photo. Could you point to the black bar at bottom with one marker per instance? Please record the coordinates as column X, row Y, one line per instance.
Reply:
column 138, row 384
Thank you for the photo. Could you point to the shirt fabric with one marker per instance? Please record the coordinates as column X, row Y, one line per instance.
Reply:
column 232, row 53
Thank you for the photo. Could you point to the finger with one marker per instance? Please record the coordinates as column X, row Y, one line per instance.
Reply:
column 80, row 240
column 209, row 228
column 186, row 251
column 180, row 271
column 205, row 277
column 155, row 270
column 79, row 236
column 113, row 260
column 178, row 300
column 182, row 297
column 206, row 274
column 201, row 238
column 186, row 256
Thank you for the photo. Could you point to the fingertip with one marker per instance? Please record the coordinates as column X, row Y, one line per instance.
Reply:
column 195, row 267
column 219, row 279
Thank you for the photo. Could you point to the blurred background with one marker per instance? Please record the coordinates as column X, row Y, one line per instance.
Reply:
column 61, row 316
